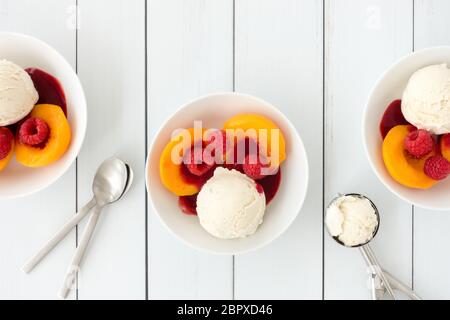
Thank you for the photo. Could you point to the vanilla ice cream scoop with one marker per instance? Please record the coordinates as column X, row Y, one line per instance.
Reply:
column 352, row 219
column 17, row 93
column 426, row 99
column 230, row 205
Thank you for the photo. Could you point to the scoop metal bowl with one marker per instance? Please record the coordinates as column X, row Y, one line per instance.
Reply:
column 336, row 238
column 367, row 252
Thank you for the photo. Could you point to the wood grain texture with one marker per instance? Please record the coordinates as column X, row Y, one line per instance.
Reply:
column 431, row 236
column 111, row 65
column 190, row 53
column 279, row 58
column 28, row 222
column 362, row 39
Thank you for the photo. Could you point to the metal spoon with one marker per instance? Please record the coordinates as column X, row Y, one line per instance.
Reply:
column 112, row 181
column 101, row 175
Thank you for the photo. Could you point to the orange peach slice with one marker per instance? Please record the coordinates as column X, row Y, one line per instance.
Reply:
column 57, row 143
column 171, row 173
column 402, row 167
column 257, row 122
column 445, row 146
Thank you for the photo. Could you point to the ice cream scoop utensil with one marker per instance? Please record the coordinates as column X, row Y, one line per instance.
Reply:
column 112, row 181
column 400, row 286
column 376, row 269
column 367, row 252
column 381, row 281
column 379, row 288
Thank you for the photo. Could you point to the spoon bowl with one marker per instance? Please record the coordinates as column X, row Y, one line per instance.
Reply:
column 111, row 181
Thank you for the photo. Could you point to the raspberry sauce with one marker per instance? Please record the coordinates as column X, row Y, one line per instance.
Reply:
column 48, row 87
column 188, row 204
column 270, row 186
column 198, row 181
column 392, row 117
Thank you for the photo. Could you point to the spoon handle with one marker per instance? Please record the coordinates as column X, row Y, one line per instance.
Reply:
column 69, row 280
column 50, row 244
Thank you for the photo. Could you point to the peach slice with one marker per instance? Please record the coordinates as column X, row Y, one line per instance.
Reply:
column 403, row 168
column 445, row 146
column 248, row 121
column 172, row 174
column 57, row 142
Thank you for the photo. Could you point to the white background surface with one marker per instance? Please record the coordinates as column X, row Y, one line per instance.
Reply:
column 315, row 60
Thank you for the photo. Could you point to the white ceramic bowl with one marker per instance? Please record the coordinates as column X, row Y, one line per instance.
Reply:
column 390, row 87
column 214, row 110
column 17, row 180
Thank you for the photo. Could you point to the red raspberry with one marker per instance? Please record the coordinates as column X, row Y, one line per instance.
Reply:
column 437, row 168
column 194, row 166
column 419, row 143
column 218, row 140
column 217, row 135
column 33, row 131
column 252, row 169
column 6, row 139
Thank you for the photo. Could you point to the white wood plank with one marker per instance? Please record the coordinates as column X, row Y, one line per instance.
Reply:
column 111, row 62
column 190, row 53
column 362, row 39
column 279, row 58
column 431, row 236
column 28, row 222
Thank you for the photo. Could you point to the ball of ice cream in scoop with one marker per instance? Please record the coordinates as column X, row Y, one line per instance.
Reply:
column 17, row 93
column 426, row 99
column 230, row 205
column 352, row 220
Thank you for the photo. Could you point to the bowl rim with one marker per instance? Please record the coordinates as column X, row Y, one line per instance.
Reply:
column 365, row 119
column 82, row 123
column 262, row 243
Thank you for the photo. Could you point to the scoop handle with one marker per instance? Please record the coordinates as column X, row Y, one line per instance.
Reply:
column 50, row 244
column 74, row 267
column 372, row 261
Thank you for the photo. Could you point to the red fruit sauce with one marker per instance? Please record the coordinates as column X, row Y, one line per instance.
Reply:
column 392, row 117
column 48, row 87
column 198, row 181
column 269, row 185
column 188, row 204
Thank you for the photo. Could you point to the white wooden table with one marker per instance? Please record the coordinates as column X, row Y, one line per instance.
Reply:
column 316, row 60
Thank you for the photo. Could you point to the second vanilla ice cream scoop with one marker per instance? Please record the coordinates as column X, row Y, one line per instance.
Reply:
column 230, row 205
column 17, row 93
column 426, row 99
